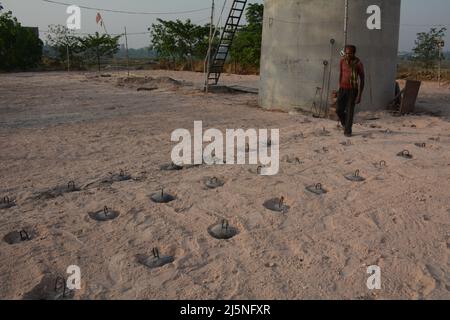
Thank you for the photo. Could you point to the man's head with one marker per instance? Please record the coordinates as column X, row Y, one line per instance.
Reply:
column 350, row 52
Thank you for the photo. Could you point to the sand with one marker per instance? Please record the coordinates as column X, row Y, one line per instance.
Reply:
column 55, row 128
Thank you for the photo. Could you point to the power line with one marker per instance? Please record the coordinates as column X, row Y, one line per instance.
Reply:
column 425, row 25
column 112, row 34
column 127, row 12
column 271, row 19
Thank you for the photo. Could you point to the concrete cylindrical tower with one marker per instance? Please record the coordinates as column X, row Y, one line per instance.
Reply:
column 300, row 61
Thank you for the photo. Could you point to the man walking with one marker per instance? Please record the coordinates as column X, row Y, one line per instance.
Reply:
column 350, row 89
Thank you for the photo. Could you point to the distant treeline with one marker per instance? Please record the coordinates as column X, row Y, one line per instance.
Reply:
column 20, row 47
column 178, row 45
column 404, row 56
column 184, row 45
column 141, row 53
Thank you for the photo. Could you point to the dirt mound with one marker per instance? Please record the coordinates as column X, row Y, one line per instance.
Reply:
column 154, row 83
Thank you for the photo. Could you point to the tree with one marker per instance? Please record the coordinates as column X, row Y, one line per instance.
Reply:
column 427, row 47
column 246, row 48
column 63, row 41
column 20, row 47
column 96, row 46
column 179, row 41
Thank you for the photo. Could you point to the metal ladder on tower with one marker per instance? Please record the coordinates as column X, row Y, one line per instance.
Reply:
column 229, row 31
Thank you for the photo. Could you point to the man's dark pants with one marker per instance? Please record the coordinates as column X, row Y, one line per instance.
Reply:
column 346, row 108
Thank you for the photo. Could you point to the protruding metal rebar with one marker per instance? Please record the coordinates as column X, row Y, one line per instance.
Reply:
column 225, row 224
column 281, row 203
column 71, row 185
column 155, row 252
column 58, row 281
column 24, row 235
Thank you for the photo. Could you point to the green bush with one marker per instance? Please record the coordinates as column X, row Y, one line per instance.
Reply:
column 20, row 48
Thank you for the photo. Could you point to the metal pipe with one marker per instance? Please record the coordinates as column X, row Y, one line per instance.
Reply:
column 327, row 103
column 128, row 56
column 208, row 57
column 68, row 56
column 346, row 23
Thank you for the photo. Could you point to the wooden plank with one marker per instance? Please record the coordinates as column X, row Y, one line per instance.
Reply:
column 412, row 88
column 244, row 89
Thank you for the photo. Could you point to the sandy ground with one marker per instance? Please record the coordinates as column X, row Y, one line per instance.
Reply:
column 55, row 128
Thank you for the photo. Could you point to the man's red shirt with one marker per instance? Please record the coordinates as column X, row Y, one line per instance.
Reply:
column 346, row 74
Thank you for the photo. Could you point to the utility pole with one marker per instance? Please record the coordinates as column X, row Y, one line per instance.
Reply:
column 441, row 45
column 208, row 57
column 68, row 57
column 128, row 57
column 104, row 26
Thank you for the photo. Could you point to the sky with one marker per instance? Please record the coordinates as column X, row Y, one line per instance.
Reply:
column 417, row 16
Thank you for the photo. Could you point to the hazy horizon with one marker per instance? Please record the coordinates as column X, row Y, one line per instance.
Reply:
column 41, row 14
